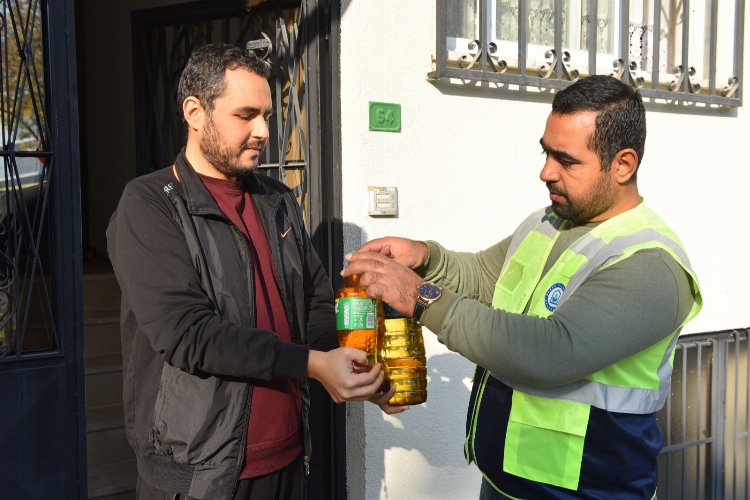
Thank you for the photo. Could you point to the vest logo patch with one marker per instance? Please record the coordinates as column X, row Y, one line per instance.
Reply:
column 552, row 297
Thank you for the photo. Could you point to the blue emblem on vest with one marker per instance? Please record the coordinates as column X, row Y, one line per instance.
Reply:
column 552, row 297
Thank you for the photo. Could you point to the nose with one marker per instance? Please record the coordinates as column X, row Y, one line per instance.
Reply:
column 260, row 128
column 550, row 171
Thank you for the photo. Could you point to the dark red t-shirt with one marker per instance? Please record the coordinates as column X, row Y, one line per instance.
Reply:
column 274, row 436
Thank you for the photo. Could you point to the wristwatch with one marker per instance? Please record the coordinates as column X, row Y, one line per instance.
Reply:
column 427, row 293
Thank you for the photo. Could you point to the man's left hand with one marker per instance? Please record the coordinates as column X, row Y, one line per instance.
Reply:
column 381, row 399
column 385, row 279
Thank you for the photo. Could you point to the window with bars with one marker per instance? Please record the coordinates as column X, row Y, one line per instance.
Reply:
column 29, row 326
column 673, row 50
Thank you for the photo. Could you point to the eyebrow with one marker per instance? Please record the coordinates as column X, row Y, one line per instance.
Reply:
column 252, row 110
column 560, row 155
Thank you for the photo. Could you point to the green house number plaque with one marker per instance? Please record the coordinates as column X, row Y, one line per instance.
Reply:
column 385, row 116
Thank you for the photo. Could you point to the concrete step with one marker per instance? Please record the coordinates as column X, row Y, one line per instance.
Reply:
column 113, row 481
column 104, row 380
column 100, row 293
column 108, row 446
column 110, row 457
column 103, row 363
column 112, row 468
column 101, row 335
column 104, row 417
column 128, row 495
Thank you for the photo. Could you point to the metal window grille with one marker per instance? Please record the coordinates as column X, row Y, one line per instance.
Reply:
column 277, row 32
column 671, row 50
column 706, row 420
column 28, row 325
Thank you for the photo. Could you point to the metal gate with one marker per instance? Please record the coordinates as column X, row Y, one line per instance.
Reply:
column 293, row 37
column 165, row 37
column 41, row 348
column 706, row 420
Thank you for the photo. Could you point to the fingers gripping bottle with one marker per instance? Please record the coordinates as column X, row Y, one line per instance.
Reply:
column 403, row 357
column 358, row 318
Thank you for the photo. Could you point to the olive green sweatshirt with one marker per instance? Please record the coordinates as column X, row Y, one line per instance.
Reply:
column 616, row 313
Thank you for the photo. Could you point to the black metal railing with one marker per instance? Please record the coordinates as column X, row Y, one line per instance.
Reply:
column 706, row 420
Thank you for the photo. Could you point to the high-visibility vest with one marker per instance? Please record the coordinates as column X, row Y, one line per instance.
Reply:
column 546, row 428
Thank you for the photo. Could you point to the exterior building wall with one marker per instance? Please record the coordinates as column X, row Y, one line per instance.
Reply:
column 466, row 164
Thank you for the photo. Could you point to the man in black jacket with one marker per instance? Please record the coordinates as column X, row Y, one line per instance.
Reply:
column 226, row 308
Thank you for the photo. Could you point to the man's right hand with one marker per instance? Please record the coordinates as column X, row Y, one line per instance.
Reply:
column 335, row 370
column 404, row 251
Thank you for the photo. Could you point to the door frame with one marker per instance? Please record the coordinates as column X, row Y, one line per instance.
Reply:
column 42, row 422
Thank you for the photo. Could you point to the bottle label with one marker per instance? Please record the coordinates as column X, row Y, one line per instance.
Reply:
column 356, row 314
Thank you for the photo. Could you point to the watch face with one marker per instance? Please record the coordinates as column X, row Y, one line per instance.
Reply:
column 429, row 291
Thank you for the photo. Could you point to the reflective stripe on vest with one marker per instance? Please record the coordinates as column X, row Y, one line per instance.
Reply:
column 637, row 384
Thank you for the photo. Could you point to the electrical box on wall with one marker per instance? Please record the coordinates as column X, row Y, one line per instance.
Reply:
column 383, row 201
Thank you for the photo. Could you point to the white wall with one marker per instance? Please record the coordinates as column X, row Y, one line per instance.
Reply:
column 466, row 165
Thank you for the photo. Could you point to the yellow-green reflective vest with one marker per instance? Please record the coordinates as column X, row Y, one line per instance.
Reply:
column 557, row 418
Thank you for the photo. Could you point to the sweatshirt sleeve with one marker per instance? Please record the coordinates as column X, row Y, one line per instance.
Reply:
column 616, row 313
column 163, row 293
column 471, row 274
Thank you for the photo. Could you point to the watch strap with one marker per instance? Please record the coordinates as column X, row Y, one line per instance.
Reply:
column 419, row 309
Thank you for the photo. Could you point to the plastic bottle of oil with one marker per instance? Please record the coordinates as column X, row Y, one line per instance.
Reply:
column 403, row 356
column 358, row 318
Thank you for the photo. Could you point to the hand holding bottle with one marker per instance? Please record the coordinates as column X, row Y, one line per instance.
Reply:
column 334, row 369
column 410, row 253
column 385, row 279
column 382, row 399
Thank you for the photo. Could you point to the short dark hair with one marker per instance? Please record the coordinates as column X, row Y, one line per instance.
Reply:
column 621, row 119
column 203, row 76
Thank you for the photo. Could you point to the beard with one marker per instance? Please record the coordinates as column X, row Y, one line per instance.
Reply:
column 585, row 208
column 222, row 157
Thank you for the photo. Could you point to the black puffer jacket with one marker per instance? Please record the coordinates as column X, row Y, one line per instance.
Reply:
column 190, row 349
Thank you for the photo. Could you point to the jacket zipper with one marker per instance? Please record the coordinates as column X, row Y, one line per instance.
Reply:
column 290, row 316
column 239, row 238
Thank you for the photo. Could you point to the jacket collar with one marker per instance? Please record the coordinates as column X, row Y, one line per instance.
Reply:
column 200, row 202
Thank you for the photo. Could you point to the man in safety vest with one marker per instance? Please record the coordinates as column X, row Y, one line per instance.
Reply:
column 572, row 320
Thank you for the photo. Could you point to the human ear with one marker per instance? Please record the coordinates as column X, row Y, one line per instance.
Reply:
column 625, row 165
column 193, row 113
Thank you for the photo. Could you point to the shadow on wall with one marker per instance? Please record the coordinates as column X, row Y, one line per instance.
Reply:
column 424, row 427
column 435, row 430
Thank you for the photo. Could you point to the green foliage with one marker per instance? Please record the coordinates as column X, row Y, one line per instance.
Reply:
column 22, row 73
